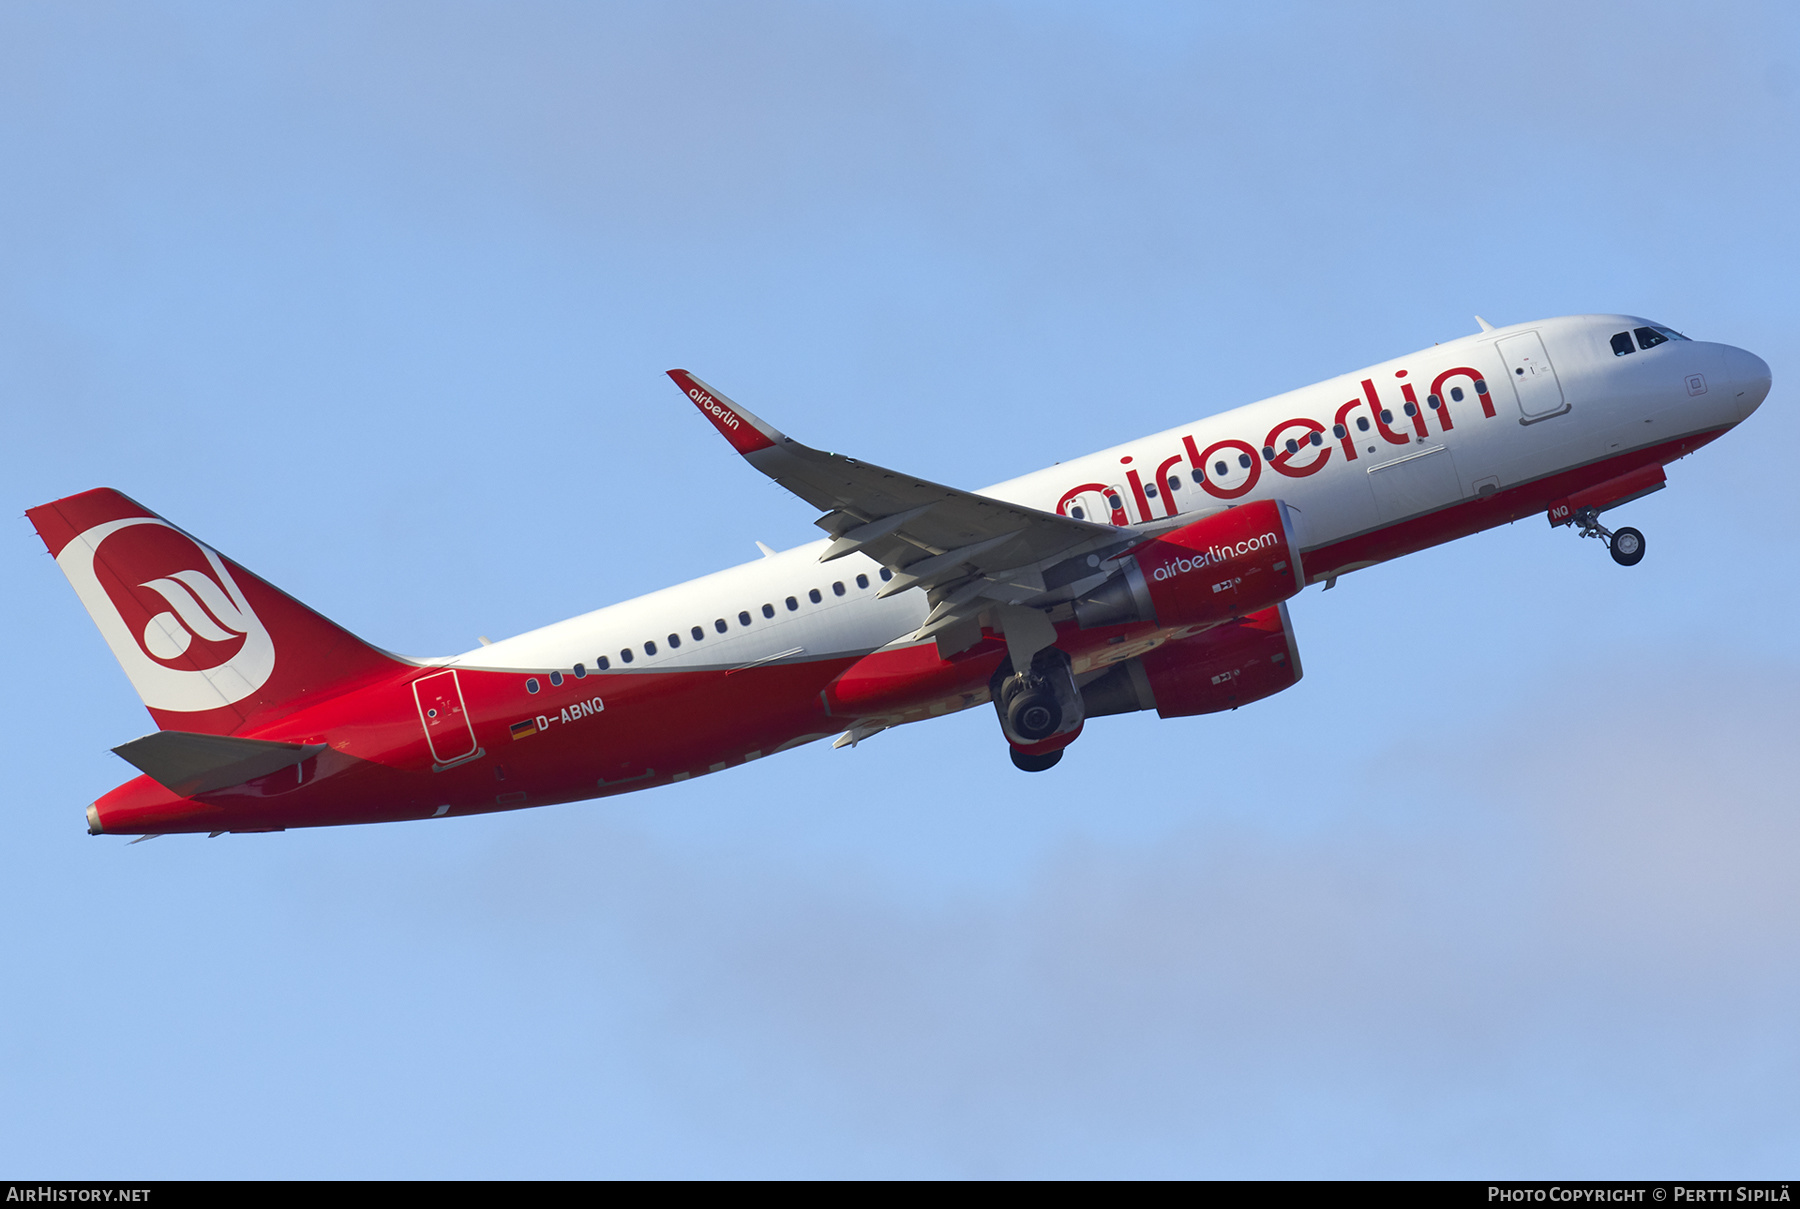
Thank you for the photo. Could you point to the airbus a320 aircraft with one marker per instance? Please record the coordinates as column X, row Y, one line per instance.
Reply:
column 1148, row 576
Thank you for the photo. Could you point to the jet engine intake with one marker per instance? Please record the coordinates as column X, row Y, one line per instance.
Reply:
column 1227, row 565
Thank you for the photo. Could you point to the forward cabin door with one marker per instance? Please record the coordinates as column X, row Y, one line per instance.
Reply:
column 445, row 719
column 1533, row 377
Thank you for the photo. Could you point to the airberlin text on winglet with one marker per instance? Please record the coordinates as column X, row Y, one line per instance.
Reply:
column 724, row 415
column 744, row 433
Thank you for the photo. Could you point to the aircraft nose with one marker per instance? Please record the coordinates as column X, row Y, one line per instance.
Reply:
column 1749, row 378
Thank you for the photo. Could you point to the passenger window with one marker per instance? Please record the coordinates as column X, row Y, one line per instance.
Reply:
column 1411, row 409
column 649, row 648
column 1077, row 513
column 1244, row 460
column 1220, row 468
column 1113, row 501
column 603, row 663
column 1317, row 438
column 698, row 633
column 674, row 641
column 837, row 589
column 1150, row 492
column 1268, row 453
column 792, row 604
column 814, row 596
column 1339, row 431
column 1649, row 337
column 862, row 581
column 1387, row 417
column 1456, row 393
column 1622, row 344
column 531, row 684
column 1293, row 446
column 886, row 574
column 1433, row 402
column 1174, row 482
column 719, row 623
column 768, row 610
column 1362, row 423
column 743, row 619
column 625, row 655
column 555, row 679
column 580, row 671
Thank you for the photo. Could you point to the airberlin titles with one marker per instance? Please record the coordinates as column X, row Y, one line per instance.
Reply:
column 1212, row 556
column 1289, row 440
column 745, row 438
column 713, row 407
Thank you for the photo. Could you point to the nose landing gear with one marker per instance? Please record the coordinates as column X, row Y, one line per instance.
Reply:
column 1626, row 544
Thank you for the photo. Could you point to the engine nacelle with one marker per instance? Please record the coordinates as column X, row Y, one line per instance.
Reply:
column 1224, row 667
column 1227, row 565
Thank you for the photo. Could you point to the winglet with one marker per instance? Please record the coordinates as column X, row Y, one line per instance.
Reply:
column 746, row 433
column 1485, row 325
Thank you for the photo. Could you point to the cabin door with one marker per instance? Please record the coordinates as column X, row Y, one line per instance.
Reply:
column 445, row 718
column 1533, row 377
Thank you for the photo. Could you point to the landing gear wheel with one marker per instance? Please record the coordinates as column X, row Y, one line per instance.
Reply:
column 1034, row 716
column 1024, row 761
column 1627, row 547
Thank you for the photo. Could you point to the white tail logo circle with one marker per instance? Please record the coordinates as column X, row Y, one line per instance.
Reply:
column 202, row 605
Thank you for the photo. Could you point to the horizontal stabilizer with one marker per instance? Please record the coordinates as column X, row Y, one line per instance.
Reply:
column 188, row 763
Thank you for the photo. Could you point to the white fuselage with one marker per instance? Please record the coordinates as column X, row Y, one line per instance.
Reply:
column 1562, row 399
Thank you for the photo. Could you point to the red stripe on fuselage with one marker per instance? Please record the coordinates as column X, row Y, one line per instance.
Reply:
column 1503, row 507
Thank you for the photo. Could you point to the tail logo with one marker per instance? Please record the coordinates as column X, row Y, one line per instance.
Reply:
column 187, row 637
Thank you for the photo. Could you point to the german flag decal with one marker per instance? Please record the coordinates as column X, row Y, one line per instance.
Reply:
column 525, row 729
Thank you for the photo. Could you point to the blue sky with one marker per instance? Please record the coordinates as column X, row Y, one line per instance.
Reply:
column 377, row 298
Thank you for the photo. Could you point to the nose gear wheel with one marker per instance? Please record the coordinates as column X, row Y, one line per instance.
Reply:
column 1625, row 544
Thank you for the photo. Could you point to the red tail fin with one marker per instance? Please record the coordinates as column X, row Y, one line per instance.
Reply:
column 208, row 646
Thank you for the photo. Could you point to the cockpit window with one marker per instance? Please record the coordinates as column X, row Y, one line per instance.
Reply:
column 1655, row 334
column 1622, row 344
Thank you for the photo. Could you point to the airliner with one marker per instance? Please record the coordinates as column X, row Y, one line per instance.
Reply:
column 1150, row 576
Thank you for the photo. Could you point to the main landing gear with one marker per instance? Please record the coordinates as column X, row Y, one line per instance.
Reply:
column 1040, row 709
column 1626, row 544
column 1025, row 761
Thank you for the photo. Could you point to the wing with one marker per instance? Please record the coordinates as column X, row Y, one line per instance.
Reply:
column 969, row 552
